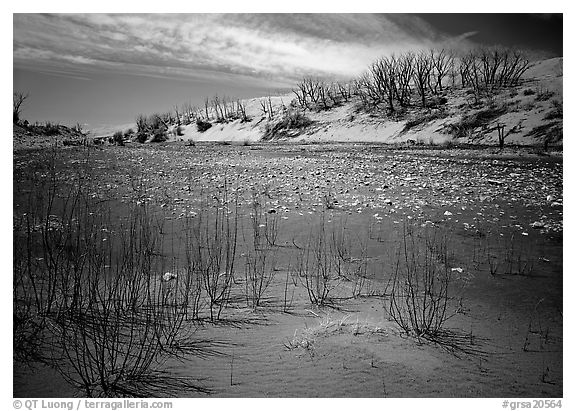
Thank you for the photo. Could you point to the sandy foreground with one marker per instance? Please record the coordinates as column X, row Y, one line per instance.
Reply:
column 508, row 319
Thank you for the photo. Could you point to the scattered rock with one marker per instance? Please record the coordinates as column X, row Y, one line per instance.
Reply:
column 495, row 182
column 168, row 276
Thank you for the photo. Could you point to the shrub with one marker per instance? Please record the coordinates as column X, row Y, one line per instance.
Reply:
column 529, row 92
column 315, row 266
column 259, row 272
column 296, row 120
column 529, row 106
column 327, row 259
column 448, row 144
column 51, row 129
column 421, row 284
column 78, row 128
column 179, row 131
column 141, row 137
column 211, row 243
column 159, row 135
column 436, row 101
column 155, row 122
column 202, row 125
column 118, row 138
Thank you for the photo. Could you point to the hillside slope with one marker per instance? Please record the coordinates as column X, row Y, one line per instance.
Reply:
column 41, row 136
column 530, row 114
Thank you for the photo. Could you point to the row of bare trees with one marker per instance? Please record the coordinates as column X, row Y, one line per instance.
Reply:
column 312, row 93
column 217, row 109
column 416, row 78
column 393, row 82
column 486, row 70
column 224, row 109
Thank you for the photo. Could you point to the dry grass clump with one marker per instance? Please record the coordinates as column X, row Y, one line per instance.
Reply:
column 294, row 121
column 544, row 95
column 422, row 119
column 346, row 325
column 551, row 132
column 327, row 326
column 557, row 112
column 480, row 118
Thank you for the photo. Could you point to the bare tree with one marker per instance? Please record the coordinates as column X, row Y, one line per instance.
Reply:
column 300, row 96
column 422, row 71
column 452, row 71
column 264, row 108
column 178, row 114
column 383, row 73
column 18, row 99
column 520, row 64
column 217, row 103
column 270, row 110
column 404, row 73
column 206, row 106
column 441, row 61
column 367, row 92
column 344, row 91
column 322, row 92
column 241, row 110
column 332, row 94
column 224, row 108
column 188, row 113
column 311, row 86
column 464, row 69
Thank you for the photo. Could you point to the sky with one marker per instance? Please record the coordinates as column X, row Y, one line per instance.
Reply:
column 101, row 70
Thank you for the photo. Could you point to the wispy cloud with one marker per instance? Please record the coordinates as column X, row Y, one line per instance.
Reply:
column 63, row 73
column 273, row 46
